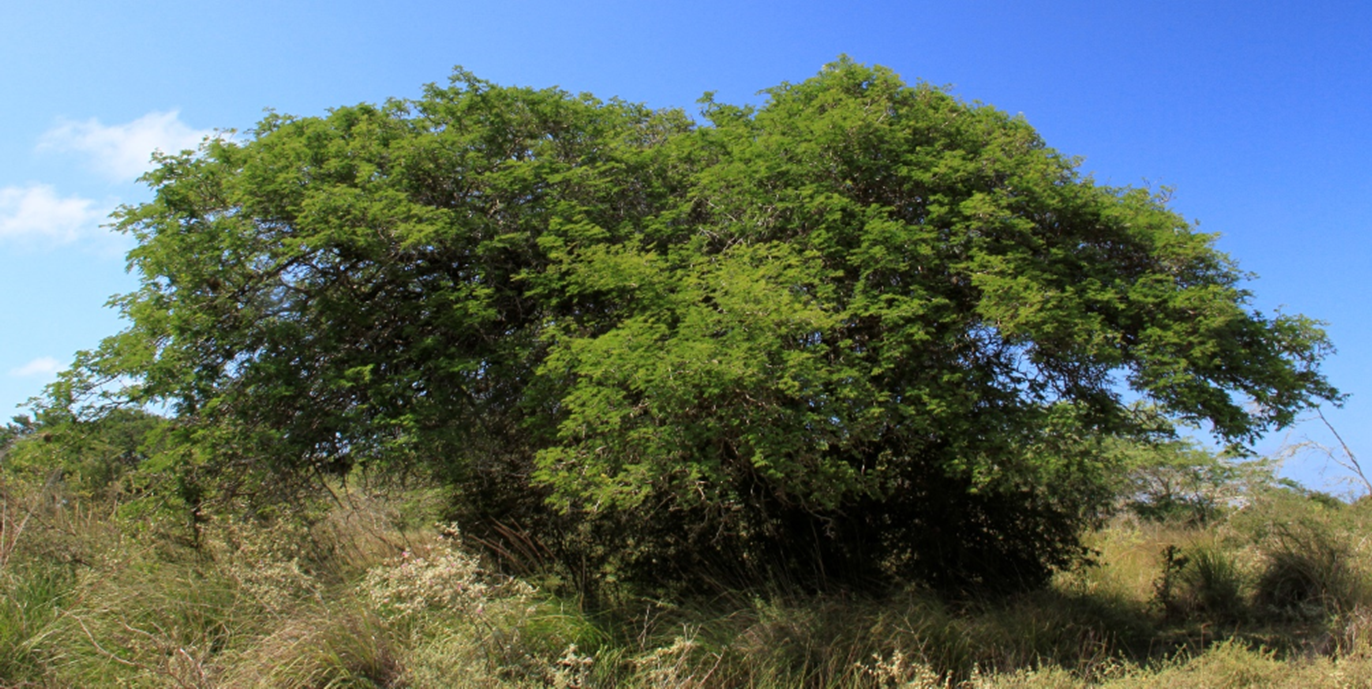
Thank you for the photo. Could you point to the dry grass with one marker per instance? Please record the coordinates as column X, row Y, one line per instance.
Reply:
column 353, row 593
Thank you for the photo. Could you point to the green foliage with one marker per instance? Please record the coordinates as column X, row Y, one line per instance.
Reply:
column 11, row 432
column 863, row 332
column 99, row 457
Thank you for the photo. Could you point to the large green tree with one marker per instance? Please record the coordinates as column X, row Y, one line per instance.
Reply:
column 864, row 331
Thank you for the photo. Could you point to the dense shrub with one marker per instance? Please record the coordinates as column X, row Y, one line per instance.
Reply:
column 862, row 334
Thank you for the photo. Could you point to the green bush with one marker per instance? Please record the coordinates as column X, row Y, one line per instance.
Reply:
column 863, row 334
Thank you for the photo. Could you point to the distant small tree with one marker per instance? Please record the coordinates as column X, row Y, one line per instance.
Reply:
column 864, row 331
column 1178, row 480
column 93, row 457
column 17, row 428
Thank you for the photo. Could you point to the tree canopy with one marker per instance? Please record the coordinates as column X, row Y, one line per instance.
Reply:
column 864, row 330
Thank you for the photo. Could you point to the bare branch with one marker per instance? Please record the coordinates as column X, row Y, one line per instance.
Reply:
column 1350, row 460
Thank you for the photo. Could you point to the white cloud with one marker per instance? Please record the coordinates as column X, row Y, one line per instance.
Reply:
column 122, row 152
column 42, row 366
column 36, row 212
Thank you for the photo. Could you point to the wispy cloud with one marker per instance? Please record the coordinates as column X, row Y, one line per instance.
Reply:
column 37, row 212
column 122, row 152
column 42, row 366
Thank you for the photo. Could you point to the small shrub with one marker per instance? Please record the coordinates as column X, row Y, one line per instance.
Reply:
column 1167, row 588
column 895, row 670
column 675, row 665
column 429, row 578
column 572, row 670
column 264, row 559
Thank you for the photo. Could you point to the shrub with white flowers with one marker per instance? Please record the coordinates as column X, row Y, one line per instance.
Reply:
column 439, row 577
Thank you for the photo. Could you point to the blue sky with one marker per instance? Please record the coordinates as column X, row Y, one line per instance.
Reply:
column 1257, row 112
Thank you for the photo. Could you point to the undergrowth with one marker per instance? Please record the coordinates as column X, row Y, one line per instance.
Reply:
column 366, row 590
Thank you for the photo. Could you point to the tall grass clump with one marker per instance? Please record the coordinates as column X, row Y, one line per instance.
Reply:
column 1314, row 560
column 31, row 600
column 1309, row 571
column 1214, row 584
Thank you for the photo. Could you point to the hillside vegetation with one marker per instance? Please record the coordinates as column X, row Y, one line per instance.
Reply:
column 1208, row 575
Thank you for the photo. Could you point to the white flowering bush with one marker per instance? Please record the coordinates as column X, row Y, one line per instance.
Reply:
column 439, row 577
column 264, row 561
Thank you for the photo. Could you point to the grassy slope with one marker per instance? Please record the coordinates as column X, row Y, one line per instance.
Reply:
column 366, row 592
